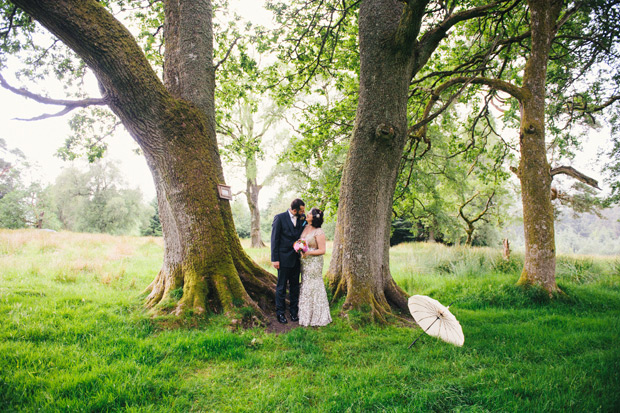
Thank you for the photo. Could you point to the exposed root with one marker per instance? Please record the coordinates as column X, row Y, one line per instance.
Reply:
column 226, row 289
column 338, row 289
column 397, row 297
column 259, row 284
column 381, row 307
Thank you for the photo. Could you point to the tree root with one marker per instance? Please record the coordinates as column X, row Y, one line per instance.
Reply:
column 382, row 307
column 223, row 290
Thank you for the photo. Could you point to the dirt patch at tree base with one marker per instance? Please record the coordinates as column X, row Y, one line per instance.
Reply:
column 276, row 327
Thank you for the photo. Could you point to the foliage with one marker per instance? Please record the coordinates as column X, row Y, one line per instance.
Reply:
column 316, row 153
column 153, row 228
column 243, row 114
column 75, row 336
column 316, row 40
column 94, row 201
column 12, row 210
column 316, row 73
column 90, row 127
column 582, row 76
column 22, row 204
column 455, row 176
column 316, row 46
column 241, row 216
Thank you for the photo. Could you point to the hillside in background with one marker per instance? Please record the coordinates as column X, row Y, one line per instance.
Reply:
column 583, row 234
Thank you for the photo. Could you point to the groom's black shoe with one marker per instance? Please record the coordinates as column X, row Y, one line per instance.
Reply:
column 282, row 319
column 294, row 318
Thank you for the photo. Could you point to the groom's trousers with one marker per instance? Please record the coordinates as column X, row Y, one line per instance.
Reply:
column 290, row 276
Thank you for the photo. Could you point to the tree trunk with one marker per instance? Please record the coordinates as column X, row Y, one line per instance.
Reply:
column 534, row 170
column 360, row 260
column 431, row 235
column 175, row 128
column 251, row 194
column 470, row 234
column 506, row 250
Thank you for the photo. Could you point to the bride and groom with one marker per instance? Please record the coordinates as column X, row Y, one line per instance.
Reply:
column 308, row 300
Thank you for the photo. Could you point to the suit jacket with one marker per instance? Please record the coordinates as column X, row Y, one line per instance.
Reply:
column 283, row 236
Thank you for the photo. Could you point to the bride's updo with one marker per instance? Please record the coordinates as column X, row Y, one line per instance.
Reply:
column 317, row 217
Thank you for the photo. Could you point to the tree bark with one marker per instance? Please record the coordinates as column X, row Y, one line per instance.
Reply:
column 251, row 193
column 570, row 171
column 175, row 128
column 470, row 234
column 431, row 235
column 506, row 250
column 534, row 170
column 360, row 260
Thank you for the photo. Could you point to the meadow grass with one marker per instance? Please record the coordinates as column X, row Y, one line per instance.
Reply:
column 74, row 336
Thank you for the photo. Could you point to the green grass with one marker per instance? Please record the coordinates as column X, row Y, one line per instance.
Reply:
column 75, row 337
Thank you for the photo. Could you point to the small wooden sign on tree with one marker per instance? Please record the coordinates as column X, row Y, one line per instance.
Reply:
column 224, row 192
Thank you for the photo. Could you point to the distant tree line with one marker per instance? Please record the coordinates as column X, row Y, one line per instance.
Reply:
column 93, row 200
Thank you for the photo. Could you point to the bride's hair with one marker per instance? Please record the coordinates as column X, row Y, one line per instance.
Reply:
column 317, row 217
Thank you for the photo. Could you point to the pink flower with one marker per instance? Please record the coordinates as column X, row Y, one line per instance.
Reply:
column 300, row 245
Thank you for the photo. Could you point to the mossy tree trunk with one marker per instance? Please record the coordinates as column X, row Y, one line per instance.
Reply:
column 174, row 126
column 391, row 54
column 534, row 170
column 360, row 262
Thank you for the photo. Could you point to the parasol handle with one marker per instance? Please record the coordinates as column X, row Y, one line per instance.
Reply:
column 427, row 328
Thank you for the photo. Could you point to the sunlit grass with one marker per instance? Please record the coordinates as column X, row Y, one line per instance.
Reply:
column 74, row 336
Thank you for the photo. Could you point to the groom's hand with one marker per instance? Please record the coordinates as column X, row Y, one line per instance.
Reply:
column 276, row 265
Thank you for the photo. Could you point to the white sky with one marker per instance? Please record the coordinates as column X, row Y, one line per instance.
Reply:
column 39, row 140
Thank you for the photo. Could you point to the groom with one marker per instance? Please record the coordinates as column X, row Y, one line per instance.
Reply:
column 285, row 230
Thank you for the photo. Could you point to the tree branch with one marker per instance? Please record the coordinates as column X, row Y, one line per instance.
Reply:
column 410, row 25
column 497, row 84
column 227, row 54
column 10, row 26
column 567, row 15
column 481, row 214
column 584, row 106
column 431, row 39
column 68, row 104
column 464, row 68
column 570, row 171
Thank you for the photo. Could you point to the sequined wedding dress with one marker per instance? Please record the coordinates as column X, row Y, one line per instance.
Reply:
column 313, row 304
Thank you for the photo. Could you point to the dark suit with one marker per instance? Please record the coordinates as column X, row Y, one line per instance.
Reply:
column 283, row 236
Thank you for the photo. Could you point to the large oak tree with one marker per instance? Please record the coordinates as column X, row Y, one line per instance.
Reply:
column 396, row 40
column 560, row 25
column 173, row 122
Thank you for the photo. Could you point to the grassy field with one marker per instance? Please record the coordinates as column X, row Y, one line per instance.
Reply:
column 75, row 337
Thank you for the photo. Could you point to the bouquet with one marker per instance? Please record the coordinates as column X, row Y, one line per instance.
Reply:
column 300, row 246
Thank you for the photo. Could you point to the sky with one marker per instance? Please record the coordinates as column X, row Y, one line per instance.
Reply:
column 39, row 140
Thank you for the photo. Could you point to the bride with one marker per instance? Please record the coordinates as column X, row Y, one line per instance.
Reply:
column 313, row 304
